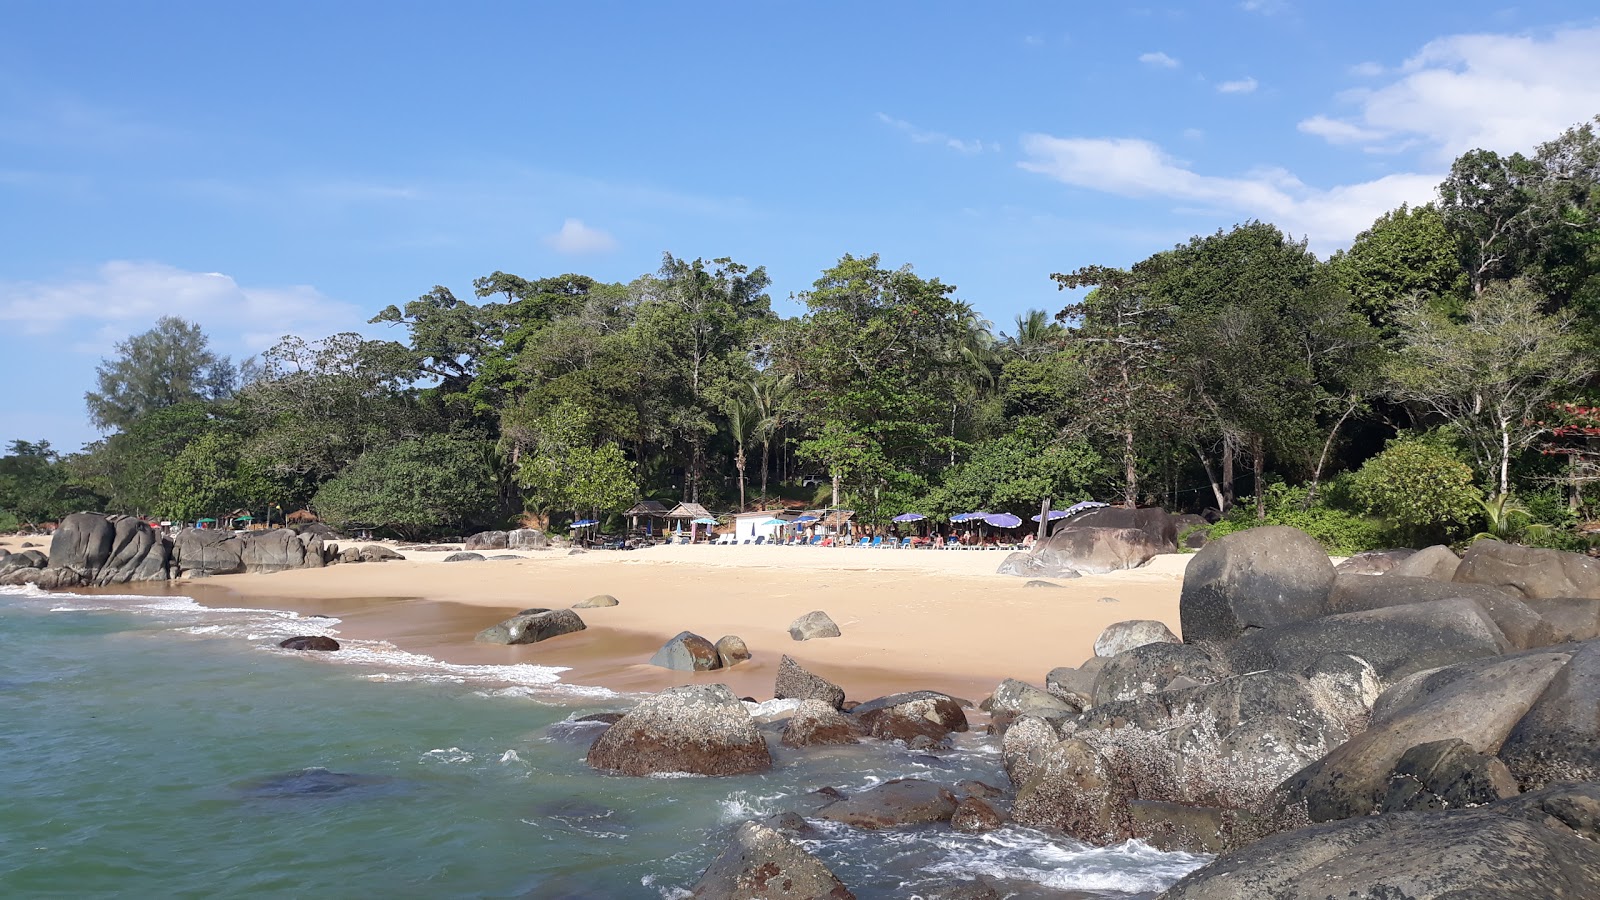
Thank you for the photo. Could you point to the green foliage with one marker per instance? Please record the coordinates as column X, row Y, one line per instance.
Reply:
column 212, row 476
column 429, row 485
column 167, row 365
column 1340, row 531
column 1426, row 494
column 566, row 469
column 1014, row 472
column 1408, row 253
column 127, row 468
column 36, row 487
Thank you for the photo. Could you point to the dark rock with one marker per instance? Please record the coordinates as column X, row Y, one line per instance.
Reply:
column 1569, row 618
column 598, row 600
column 731, row 650
column 527, row 539
column 531, row 629
column 1437, row 562
column 488, row 540
column 1559, row 738
column 1122, row 636
column 975, row 816
column 279, row 551
column 1076, row 685
column 1182, row 826
column 1193, row 531
column 687, row 652
column 980, row 789
column 1097, row 550
column 201, row 553
column 1019, row 698
column 1023, row 746
column 1373, row 562
column 1446, row 775
column 465, row 556
column 1158, row 525
column 812, row 625
column 1523, row 627
column 1535, row 845
column 789, row 824
column 761, row 863
column 309, row 642
column 893, row 804
column 816, row 723
column 701, row 729
column 378, row 553
column 1035, row 566
column 1253, row 579
column 1345, row 687
column 1150, row 668
column 309, row 783
column 794, row 682
column 979, row 888
column 903, row 717
column 1529, row 572
column 1397, row 641
column 1068, row 786
column 608, row 718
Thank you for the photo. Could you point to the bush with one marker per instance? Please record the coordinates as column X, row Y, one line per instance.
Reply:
column 1339, row 531
column 1421, row 489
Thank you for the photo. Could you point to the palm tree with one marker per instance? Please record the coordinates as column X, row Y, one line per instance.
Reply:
column 1508, row 519
column 742, row 421
column 1036, row 335
column 771, row 399
column 970, row 358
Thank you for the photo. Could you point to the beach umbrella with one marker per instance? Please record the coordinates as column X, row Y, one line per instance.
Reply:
column 1003, row 520
column 1055, row 514
column 774, row 521
column 967, row 517
column 909, row 517
column 804, row 520
column 1080, row 507
column 584, row 523
column 705, row 520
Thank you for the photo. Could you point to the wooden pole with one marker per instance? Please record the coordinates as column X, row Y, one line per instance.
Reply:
column 1044, row 519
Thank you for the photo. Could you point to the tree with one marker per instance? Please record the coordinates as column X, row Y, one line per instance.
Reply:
column 127, row 468
column 1492, row 374
column 1408, row 252
column 1013, row 472
column 36, row 487
column 210, row 476
column 771, row 395
column 1487, row 203
column 743, row 422
column 566, row 468
column 415, row 487
column 167, row 365
column 1424, row 492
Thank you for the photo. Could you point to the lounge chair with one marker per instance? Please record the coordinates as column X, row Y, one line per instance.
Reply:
column 761, row 540
column 877, row 541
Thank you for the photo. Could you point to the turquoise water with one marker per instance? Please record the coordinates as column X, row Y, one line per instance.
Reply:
column 153, row 748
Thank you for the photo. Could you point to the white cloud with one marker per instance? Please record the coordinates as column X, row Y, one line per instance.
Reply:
column 924, row 136
column 1158, row 59
column 1367, row 70
column 1242, row 86
column 122, row 298
column 1498, row 92
column 577, row 238
column 1135, row 168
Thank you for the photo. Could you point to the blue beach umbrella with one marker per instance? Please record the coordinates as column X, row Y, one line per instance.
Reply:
column 1003, row 520
column 1080, row 507
column 584, row 523
column 705, row 520
column 909, row 517
column 1054, row 515
column 804, row 520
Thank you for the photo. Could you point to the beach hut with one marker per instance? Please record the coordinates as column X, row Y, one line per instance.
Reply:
column 688, row 512
column 764, row 523
column 653, row 512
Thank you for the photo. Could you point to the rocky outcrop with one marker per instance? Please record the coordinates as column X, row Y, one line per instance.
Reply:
column 912, row 715
column 893, row 804
column 1446, row 775
column 201, row 553
column 687, row 652
column 310, row 642
column 1535, row 845
column 1437, row 562
column 527, row 539
column 1569, row 618
column 1523, row 627
column 975, row 816
column 1018, row 698
column 1095, row 551
column 1135, row 633
column 760, row 863
column 373, row 553
column 1253, row 579
column 1150, row 668
column 699, row 729
column 488, row 540
column 278, row 551
column 817, row 723
column 90, row 549
column 813, row 625
column 1159, row 526
column 532, row 626
column 1075, row 685
column 795, row 682
column 731, row 650
column 1036, row 566
column 1559, row 737
column 1529, row 572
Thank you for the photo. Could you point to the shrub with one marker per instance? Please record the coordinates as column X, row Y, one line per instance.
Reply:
column 1339, row 531
column 1421, row 489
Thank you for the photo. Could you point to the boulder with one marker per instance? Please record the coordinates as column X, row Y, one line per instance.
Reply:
column 760, row 863
column 531, row 628
column 527, row 539
column 817, row 723
column 975, row 816
column 977, row 888
column 812, row 625
column 1373, row 562
column 1096, row 551
column 82, row 545
column 1559, row 737
column 310, row 642
column 731, row 650
column 1160, row 527
column 1068, row 786
column 1345, row 687
column 488, row 540
column 1183, row 827
column 348, row 555
column 201, row 553
column 1193, row 531
column 1122, row 636
column 1075, row 685
column 1023, row 745
column 1569, row 618
column 465, row 556
column 907, row 716
column 264, row 552
column 1529, row 572
column 1523, row 627
column 1018, row 698
column 687, row 652
column 595, row 602
column 1258, row 578
column 1479, row 709
column 379, row 553
column 1446, row 775
column 1148, row 669
column 1437, row 562
column 893, row 804
column 1036, row 566
column 1535, row 845
column 702, row 729
column 794, row 682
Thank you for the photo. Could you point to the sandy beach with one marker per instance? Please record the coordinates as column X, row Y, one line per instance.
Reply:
column 910, row 618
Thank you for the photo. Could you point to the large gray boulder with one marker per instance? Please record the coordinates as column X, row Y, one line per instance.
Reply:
column 1437, row 562
column 465, row 556
column 1446, row 775
column 893, row 804
column 379, row 553
column 1157, row 524
column 1121, row 636
column 98, row 550
column 1478, row 708
column 911, row 715
column 488, row 540
column 1529, row 572
column 1397, row 641
column 1253, row 579
column 532, row 627
column 813, row 625
column 527, row 539
column 1036, row 565
column 201, row 553
column 687, row 652
column 1571, row 619
column 1536, row 845
column 1559, row 737
column 278, row 551
column 702, row 729
column 1521, row 625
column 795, row 682
column 1150, row 668
column 817, row 723
column 1075, row 685
column 1095, row 551
column 1373, row 562
column 1018, row 698
column 759, row 863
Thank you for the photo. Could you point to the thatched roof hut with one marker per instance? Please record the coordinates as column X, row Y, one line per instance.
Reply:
column 687, row 510
column 652, row 508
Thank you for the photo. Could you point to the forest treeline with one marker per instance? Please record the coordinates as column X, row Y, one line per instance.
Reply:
column 1432, row 381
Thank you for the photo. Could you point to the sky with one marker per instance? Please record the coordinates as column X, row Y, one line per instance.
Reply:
column 294, row 167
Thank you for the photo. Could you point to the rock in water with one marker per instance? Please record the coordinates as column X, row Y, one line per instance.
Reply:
column 1135, row 633
column 794, row 682
column 1266, row 576
column 817, row 723
column 688, row 652
column 532, row 628
column 595, row 602
column 975, row 816
column 907, row 716
column 1018, row 698
column 731, row 650
column 309, row 642
column 893, row 804
column 1148, row 669
column 760, row 863
column 702, row 729
column 812, row 625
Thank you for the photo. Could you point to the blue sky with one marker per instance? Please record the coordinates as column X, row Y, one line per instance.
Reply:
column 295, row 167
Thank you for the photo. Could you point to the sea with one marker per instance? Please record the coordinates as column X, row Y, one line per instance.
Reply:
column 154, row 747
